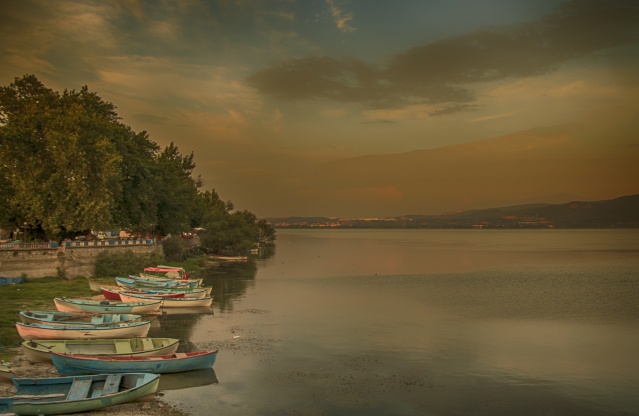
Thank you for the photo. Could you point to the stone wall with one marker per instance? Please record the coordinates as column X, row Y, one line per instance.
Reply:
column 72, row 261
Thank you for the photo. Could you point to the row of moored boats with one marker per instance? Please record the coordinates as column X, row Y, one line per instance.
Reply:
column 101, row 348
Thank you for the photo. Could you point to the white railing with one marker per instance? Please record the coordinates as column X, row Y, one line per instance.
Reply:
column 77, row 243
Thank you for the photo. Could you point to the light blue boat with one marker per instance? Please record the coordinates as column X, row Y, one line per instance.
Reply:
column 74, row 364
column 146, row 283
column 65, row 318
column 63, row 395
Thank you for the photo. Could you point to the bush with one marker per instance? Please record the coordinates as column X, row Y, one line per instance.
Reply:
column 123, row 264
column 174, row 249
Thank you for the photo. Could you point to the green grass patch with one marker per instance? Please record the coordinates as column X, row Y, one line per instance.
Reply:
column 38, row 294
column 33, row 294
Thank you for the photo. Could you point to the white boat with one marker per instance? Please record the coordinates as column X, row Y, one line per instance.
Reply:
column 64, row 395
column 29, row 331
column 231, row 259
column 40, row 350
column 149, row 276
column 102, row 306
column 165, row 294
column 66, row 318
column 169, row 302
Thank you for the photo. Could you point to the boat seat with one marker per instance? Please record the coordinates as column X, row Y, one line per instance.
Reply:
column 147, row 344
column 111, row 384
column 79, row 389
column 122, row 347
column 180, row 355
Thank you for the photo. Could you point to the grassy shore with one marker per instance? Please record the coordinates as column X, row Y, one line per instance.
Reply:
column 33, row 294
column 37, row 294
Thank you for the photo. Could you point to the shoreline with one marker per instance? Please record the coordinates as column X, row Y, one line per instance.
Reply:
column 152, row 404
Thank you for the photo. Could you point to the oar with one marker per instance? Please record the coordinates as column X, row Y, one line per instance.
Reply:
column 32, row 343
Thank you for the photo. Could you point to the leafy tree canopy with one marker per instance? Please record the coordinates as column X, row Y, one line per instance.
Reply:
column 68, row 166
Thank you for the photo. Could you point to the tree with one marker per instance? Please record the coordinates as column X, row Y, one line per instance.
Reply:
column 57, row 159
column 136, row 200
column 176, row 190
column 266, row 232
column 68, row 166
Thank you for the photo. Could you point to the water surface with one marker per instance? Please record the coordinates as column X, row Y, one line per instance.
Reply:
column 423, row 322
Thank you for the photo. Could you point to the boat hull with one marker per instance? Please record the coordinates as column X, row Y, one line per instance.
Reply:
column 40, row 350
column 82, row 305
column 75, row 364
column 66, row 318
column 151, row 284
column 120, row 330
column 171, row 302
column 64, row 395
column 10, row 280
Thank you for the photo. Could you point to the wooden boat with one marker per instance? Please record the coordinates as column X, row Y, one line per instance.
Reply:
column 179, row 293
column 64, row 395
column 169, row 302
column 102, row 306
column 140, row 282
column 188, row 292
column 114, row 294
column 74, row 364
column 5, row 280
column 176, row 273
column 193, row 283
column 57, row 317
column 110, row 294
column 231, row 259
column 149, row 276
column 30, row 331
column 40, row 350
column 95, row 286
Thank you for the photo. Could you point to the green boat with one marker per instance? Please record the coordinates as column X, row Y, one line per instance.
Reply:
column 63, row 395
column 39, row 350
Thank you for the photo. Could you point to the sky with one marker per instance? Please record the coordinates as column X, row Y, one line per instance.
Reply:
column 358, row 107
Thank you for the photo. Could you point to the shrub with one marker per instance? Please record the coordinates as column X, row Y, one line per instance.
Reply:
column 123, row 264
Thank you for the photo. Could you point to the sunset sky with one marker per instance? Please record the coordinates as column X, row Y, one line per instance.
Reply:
column 277, row 99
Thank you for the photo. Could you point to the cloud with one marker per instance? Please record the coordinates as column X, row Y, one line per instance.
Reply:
column 150, row 118
column 340, row 17
column 493, row 117
column 348, row 80
column 444, row 72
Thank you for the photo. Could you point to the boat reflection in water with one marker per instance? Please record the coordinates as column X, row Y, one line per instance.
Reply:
column 195, row 310
column 188, row 379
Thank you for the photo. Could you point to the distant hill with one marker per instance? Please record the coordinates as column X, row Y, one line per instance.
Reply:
column 622, row 212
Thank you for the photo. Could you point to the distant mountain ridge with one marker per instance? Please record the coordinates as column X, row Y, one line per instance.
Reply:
column 622, row 212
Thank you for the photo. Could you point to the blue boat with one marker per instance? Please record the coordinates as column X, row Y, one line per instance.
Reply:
column 149, row 283
column 73, row 364
column 63, row 395
column 4, row 280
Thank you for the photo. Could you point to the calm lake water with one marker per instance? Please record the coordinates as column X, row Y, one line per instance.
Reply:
column 421, row 322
